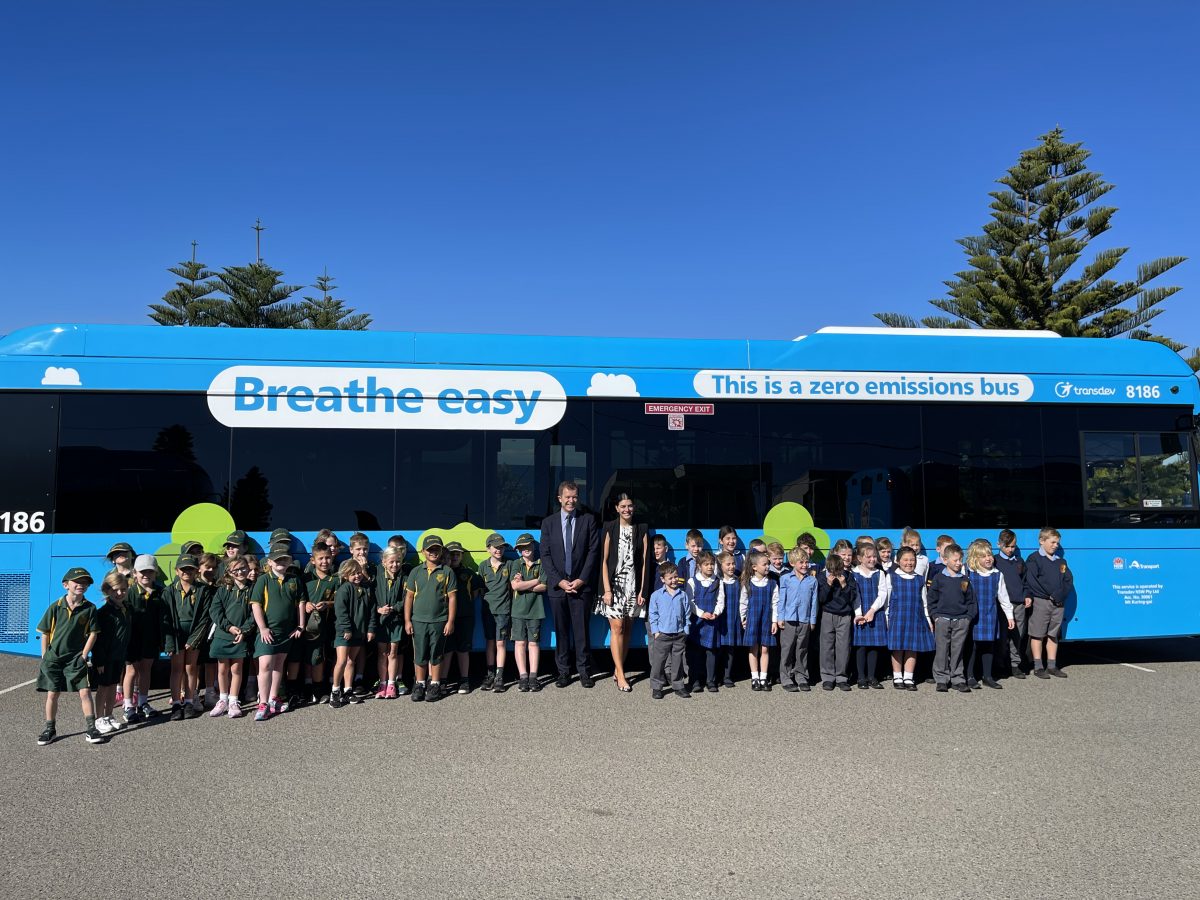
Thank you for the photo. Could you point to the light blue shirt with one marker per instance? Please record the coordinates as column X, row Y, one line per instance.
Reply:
column 797, row 599
column 669, row 612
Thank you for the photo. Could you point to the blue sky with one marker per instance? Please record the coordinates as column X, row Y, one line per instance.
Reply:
column 693, row 168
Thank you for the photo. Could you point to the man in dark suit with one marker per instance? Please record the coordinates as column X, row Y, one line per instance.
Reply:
column 570, row 551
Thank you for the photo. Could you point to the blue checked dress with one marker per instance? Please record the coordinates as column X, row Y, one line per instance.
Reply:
column 987, row 593
column 706, row 633
column 908, row 628
column 875, row 632
column 758, row 614
column 731, row 622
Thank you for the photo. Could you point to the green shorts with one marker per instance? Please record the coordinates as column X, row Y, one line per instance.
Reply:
column 262, row 648
column 57, row 673
column 527, row 630
column 429, row 643
column 496, row 626
column 462, row 638
column 223, row 647
column 391, row 630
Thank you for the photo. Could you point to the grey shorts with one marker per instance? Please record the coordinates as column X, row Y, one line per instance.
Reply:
column 1045, row 619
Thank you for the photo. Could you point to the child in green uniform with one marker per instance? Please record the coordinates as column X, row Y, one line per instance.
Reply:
column 355, row 621
column 145, row 641
column 233, row 626
column 389, row 607
column 320, row 586
column 458, row 644
column 528, row 585
column 497, row 576
column 210, row 577
column 108, row 654
column 360, row 549
column 235, row 546
column 185, row 629
column 430, row 592
column 277, row 603
column 68, row 629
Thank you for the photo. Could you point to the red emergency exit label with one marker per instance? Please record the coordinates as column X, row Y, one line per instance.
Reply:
column 680, row 409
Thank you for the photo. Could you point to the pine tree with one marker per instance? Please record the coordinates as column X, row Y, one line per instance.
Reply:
column 331, row 314
column 1041, row 222
column 257, row 298
column 190, row 301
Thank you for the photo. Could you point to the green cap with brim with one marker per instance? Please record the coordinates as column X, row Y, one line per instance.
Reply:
column 187, row 562
column 191, row 547
column 454, row 547
column 79, row 573
column 431, row 541
column 120, row 547
column 279, row 554
column 525, row 540
column 496, row 540
column 236, row 539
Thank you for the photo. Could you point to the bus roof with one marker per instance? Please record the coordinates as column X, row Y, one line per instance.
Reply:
column 832, row 350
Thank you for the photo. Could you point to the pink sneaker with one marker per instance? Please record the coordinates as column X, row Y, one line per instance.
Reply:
column 276, row 707
column 390, row 691
column 382, row 693
column 235, row 709
column 220, row 709
column 264, row 713
column 120, row 697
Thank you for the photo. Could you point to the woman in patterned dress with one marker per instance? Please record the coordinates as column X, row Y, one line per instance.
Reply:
column 625, row 584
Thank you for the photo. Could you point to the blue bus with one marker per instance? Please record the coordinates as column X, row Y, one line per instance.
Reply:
column 156, row 435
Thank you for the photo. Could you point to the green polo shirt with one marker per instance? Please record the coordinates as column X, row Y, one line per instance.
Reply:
column 68, row 628
column 431, row 592
column 497, row 586
column 528, row 604
column 280, row 601
column 321, row 590
column 470, row 587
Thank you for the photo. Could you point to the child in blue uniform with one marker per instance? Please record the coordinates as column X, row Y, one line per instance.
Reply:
column 727, row 539
column 952, row 607
column 1011, row 564
column 991, row 593
column 707, row 611
column 909, row 629
column 759, row 596
column 795, row 615
column 730, row 590
column 870, row 628
column 911, row 538
column 837, row 597
column 1048, row 583
column 668, row 622
column 884, row 549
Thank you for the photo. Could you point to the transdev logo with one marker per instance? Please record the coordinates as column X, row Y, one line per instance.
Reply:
column 1065, row 389
column 1134, row 564
column 439, row 399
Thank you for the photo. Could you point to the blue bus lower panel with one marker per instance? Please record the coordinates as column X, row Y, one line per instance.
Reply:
column 1129, row 583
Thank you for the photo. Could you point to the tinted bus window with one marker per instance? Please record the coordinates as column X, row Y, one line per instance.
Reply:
column 439, row 478
column 28, row 456
column 133, row 462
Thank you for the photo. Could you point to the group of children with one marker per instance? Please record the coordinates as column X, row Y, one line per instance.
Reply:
column 289, row 635
column 866, row 596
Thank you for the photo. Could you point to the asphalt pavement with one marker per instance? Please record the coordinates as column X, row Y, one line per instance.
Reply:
column 1084, row 787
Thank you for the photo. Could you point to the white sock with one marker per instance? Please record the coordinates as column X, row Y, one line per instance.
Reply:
column 897, row 676
column 908, row 678
column 224, row 698
column 754, row 674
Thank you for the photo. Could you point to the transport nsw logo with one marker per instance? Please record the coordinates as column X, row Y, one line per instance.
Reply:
column 439, row 399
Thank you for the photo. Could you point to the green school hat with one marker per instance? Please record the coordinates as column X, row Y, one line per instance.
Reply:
column 79, row 574
column 191, row 547
column 278, row 553
column 431, row 540
column 496, row 540
column 236, row 539
column 120, row 547
column 525, row 539
column 454, row 547
column 187, row 562
column 280, row 534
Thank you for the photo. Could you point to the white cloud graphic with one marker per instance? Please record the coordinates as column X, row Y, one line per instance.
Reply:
column 61, row 375
column 605, row 385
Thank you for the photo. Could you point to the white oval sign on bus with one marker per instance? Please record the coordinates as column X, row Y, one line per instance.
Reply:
column 330, row 397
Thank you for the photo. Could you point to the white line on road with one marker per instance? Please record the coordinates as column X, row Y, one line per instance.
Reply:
column 17, row 687
column 1139, row 668
column 1107, row 660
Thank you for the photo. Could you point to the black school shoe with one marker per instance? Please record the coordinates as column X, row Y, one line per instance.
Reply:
column 791, row 687
column 827, row 685
column 489, row 680
column 1018, row 674
column 418, row 693
column 586, row 680
column 804, row 686
column 755, row 685
column 728, row 682
column 434, row 692
column 176, row 712
column 498, row 686
column 47, row 736
column 683, row 694
column 562, row 681
column 712, row 688
column 1057, row 673
column 963, row 688
column 1041, row 673
column 943, row 688
column 336, row 700
column 535, row 684
column 656, row 694
column 993, row 684
column 93, row 736
column 875, row 684
column 864, row 685
column 845, row 686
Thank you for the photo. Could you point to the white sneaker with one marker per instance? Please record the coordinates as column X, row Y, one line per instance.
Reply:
column 103, row 725
column 114, row 724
